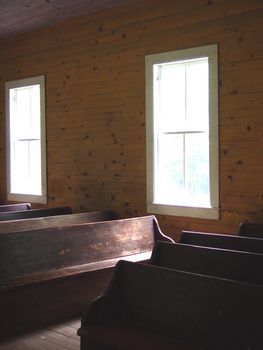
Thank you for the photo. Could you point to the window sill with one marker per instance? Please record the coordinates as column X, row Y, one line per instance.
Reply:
column 194, row 212
column 27, row 198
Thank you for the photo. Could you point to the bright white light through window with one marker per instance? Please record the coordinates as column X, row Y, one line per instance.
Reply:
column 181, row 114
column 26, row 143
column 182, row 132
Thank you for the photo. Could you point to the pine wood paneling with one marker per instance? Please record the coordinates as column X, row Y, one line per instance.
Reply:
column 95, row 103
column 25, row 15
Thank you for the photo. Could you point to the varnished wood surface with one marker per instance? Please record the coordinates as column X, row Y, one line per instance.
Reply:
column 24, row 16
column 55, row 221
column 29, row 252
column 58, row 336
column 33, row 213
column 65, row 272
column 249, row 229
column 48, row 274
column 212, row 312
column 247, row 244
column 235, row 265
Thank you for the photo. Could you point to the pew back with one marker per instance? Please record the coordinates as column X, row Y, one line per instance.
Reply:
column 208, row 311
column 249, row 229
column 34, row 213
column 214, row 240
column 30, row 252
column 235, row 265
column 55, row 221
column 14, row 207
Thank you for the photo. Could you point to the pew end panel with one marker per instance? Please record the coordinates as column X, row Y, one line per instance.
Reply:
column 201, row 311
column 158, row 234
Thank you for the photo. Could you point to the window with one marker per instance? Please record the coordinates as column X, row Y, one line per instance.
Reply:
column 182, row 132
column 26, row 153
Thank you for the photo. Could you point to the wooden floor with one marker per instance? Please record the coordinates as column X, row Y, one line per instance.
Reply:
column 62, row 336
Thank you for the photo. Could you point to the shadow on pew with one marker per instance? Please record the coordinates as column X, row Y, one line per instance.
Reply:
column 148, row 307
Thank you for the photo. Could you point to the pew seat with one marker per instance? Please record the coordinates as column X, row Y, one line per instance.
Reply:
column 50, row 274
column 34, row 213
column 146, row 307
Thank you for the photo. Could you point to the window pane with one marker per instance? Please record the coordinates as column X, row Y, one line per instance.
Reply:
column 19, row 168
column 182, row 170
column 197, row 168
column 25, row 140
column 171, row 96
column 26, row 117
column 169, row 177
column 26, row 167
column 26, row 154
column 35, row 167
column 181, row 123
column 197, row 94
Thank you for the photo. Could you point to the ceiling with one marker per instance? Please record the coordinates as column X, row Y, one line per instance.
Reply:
column 21, row 16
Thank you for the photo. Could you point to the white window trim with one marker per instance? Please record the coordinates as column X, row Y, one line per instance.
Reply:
column 209, row 51
column 17, row 196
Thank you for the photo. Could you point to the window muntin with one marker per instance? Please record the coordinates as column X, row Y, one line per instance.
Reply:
column 26, row 170
column 181, row 108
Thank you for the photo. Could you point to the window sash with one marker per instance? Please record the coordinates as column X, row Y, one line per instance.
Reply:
column 181, row 96
column 187, row 179
column 210, row 211
column 26, row 142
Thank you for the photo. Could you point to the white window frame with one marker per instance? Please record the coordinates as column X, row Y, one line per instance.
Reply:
column 210, row 51
column 38, row 80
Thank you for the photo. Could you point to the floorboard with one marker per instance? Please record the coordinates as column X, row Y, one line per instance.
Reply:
column 61, row 336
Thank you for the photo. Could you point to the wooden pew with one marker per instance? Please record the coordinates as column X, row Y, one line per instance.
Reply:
column 34, row 213
column 216, row 240
column 55, row 221
column 51, row 274
column 235, row 265
column 14, row 207
column 249, row 229
column 148, row 307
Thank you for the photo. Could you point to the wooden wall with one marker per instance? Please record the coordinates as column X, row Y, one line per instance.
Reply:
column 95, row 103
